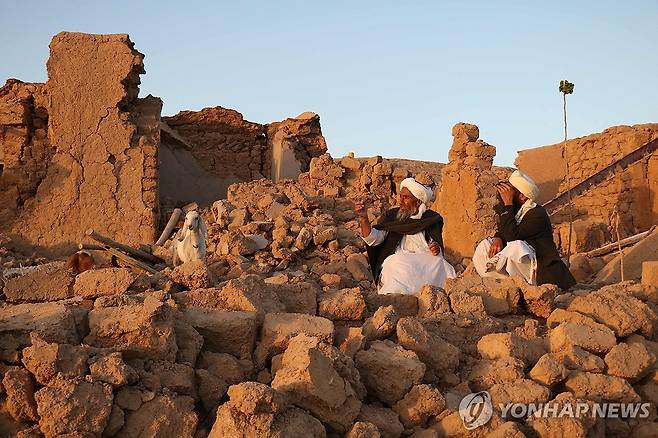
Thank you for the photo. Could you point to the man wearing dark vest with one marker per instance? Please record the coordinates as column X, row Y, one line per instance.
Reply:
column 523, row 245
column 405, row 248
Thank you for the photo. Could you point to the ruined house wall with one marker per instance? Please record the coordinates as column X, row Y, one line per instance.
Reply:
column 631, row 192
column 103, row 174
column 204, row 152
column 25, row 150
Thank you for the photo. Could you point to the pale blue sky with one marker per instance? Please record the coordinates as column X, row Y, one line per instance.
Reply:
column 387, row 78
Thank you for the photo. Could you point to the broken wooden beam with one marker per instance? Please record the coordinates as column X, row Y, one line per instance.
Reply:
column 125, row 248
column 131, row 260
column 606, row 249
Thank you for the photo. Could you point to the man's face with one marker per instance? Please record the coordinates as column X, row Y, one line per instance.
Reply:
column 408, row 202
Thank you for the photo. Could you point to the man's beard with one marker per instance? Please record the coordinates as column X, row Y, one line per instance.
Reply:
column 404, row 214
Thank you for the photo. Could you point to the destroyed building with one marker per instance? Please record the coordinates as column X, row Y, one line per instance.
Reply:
column 279, row 331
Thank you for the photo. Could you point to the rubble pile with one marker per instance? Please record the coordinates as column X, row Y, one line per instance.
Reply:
column 280, row 333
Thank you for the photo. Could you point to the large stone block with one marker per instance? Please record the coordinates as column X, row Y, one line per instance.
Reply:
column 315, row 376
column 49, row 282
column 223, row 331
column 138, row 330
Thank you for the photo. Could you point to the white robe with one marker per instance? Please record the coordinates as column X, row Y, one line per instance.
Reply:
column 517, row 258
column 412, row 265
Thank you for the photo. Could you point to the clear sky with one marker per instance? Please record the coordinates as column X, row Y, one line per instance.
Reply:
column 387, row 77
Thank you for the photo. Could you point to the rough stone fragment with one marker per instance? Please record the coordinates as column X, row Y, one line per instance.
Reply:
column 389, row 371
column 519, row 391
column 312, row 378
column 20, row 401
column 363, row 430
column 599, row 387
column 49, row 282
column 380, row 325
column 99, row 282
column 345, row 304
column 432, row 301
column 499, row 296
column 189, row 342
column 619, row 311
column 629, row 361
column 255, row 409
column 115, row 422
column 139, row 331
column 386, row 420
column 128, row 397
column 70, row 406
column 463, row 302
column 113, row 370
column 224, row 331
column 404, row 305
column 419, row 405
column 211, row 389
column 439, row 355
column 357, row 265
column 54, row 322
column 279, row 328
column 595, row 338
column 165, row 416
column 501, row 345
column 575, row 358
column 548, row 371
column 192, row 275
column 487, row 373
column 45, row 361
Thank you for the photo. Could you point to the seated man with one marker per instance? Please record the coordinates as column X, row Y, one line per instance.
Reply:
column 405, row 249
column 523, row 245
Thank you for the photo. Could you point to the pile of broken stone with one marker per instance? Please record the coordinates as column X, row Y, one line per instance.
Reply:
column 280, row 333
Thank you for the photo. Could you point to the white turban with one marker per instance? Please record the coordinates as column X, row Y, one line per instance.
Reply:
column 524, row 184
column 417, row 189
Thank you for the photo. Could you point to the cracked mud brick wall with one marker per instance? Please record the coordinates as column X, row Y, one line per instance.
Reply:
column 631, row 192
column 25, row 150
column 103, row 174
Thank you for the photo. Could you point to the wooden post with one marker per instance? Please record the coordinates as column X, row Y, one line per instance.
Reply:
column 125, row 248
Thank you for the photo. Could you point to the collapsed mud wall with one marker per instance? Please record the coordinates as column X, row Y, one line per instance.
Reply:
column 204, row 152
column 630, row 192
column 25, row 149
column 104, row 139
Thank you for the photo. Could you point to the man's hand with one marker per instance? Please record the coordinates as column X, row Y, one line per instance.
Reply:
column 506, row 192
column 360, row 210
column 435, row 249
column 496, row 246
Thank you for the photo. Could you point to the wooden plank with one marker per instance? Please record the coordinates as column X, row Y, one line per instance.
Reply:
column 124, row 248
column 606, row 249
column 131, row 260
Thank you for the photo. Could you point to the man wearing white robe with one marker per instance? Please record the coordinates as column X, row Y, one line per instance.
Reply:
column 412, row 236
column 523, row 245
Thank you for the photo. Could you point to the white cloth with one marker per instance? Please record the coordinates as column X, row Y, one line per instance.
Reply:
column 517, row 258
column 524, row 184
column 420, row 191
column 412, row 265
column 526, row 207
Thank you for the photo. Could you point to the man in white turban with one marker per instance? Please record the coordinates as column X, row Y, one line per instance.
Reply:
column 523, row 245
column 405, row 248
